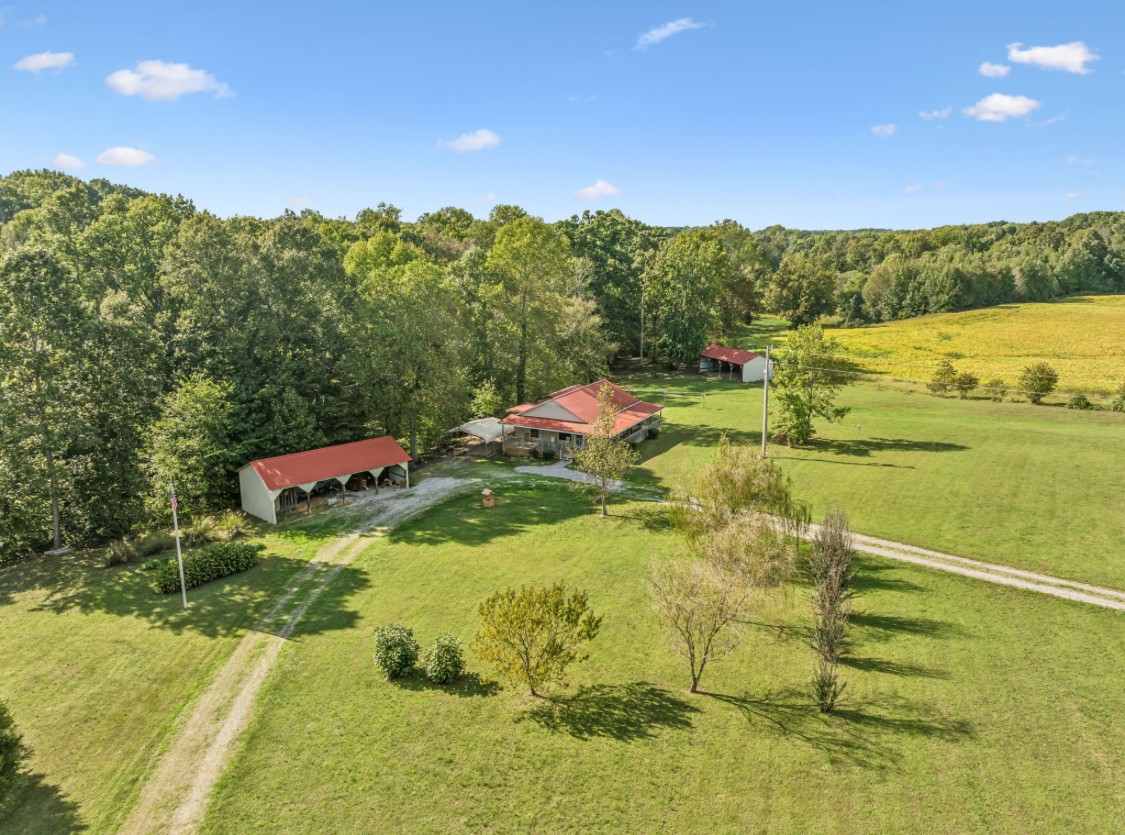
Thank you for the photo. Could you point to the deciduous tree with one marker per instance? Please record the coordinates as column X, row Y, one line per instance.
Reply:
column 532, row 635
column 605, row 456
column 807, row 382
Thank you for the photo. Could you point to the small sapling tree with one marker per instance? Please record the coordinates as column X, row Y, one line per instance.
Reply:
column 703, row 605
column 831, row 570
column 605, row 457
column 532, row 635
column 1037, row 380
column 965, row 383
column 943, row 379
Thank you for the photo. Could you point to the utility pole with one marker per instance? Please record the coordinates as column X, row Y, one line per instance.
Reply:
column 766, row 401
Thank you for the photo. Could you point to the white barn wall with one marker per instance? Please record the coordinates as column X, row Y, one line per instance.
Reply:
column 256, row 498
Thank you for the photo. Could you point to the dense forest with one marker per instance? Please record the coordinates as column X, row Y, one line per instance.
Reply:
column 142, row 340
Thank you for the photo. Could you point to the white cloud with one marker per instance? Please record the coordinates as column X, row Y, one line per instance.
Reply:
column 299, row 200
column 161, row 81
column 912, row 188
column 45, row 61
column 1071, row 195
column 944, row 113
column 478, row 140
column 941, row 184
column 1054, row 120
column 599, row 189
column 885, row 130
column 990, row 70
column 1069, row 57
column 38, row 20
column 124, row 155
column 68, row 162
column 487, row 198
column 1078, row 159
column 999, row 107
column 662, row 33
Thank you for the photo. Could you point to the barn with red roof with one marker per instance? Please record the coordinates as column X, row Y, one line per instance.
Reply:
column 272, row 486
column 561, row 421
column 732, row 363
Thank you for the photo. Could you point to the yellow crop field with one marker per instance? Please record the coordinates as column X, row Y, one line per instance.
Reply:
column 1082, row 337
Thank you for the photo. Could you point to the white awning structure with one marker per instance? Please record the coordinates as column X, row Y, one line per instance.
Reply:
column 487, row 429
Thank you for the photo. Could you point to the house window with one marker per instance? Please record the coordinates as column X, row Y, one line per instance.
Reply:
column 563, row 436
column 533, row 432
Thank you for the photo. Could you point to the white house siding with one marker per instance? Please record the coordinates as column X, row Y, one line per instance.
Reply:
column 554, row 411
column 754, row 371
column 256, row 497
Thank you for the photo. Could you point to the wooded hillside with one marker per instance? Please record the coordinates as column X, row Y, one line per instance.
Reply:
column 142, row 340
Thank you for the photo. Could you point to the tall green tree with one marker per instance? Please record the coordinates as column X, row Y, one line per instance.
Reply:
column 802, row 289
column 685, row 285
column 532, row 262
column 807, row 380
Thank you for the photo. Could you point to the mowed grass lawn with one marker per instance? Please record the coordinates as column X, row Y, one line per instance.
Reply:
column 1082, row 337
column 97, row 667
column 1036, row 487
column 971, row 707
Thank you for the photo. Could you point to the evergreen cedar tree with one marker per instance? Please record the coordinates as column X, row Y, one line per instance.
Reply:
column 146, row 338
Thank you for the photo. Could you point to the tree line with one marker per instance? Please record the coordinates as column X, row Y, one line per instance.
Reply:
column 144, row 341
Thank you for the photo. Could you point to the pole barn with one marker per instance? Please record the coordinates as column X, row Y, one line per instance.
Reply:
column 732, row 364
column 271, row 483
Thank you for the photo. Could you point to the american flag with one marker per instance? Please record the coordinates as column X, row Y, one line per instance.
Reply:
column 175, row 504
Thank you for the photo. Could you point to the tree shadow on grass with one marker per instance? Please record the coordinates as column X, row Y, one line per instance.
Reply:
column 469, row 685
column 865, row 447
column 220, row 608
column 868, row 735
column 886, row 627
column 38, row 806
column 625, row 712
column 895, row 668
column 881, row 575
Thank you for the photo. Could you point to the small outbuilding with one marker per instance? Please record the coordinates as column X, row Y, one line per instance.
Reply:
column 271, row 486
column 732, row 363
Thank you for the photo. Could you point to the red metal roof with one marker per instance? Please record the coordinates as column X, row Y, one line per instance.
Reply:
column 312, row 465
column 582, row 401
column 734, row 356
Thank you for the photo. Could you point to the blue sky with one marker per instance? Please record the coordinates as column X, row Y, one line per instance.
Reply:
column 806, row 115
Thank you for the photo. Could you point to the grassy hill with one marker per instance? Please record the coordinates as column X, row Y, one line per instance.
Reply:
column 1082, row 337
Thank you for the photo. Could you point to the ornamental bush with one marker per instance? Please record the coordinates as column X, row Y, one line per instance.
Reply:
column 12, row 752
column 396, row 651
column 203, row 565
column 1079, row 401
column 444, row 662
column 120, row 552
column 1118, row 405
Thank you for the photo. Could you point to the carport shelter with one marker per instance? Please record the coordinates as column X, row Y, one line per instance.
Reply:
column 270, row 484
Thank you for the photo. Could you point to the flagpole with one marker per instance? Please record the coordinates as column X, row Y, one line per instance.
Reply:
column 179, row 553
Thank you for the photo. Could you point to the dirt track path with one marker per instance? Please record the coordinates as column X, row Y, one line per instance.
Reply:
column 987, row 571
column 175, row 798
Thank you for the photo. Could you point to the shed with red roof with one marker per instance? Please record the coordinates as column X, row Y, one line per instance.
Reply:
column 272, row 485
column 732, row 363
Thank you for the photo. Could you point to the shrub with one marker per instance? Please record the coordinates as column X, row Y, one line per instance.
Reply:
column 827, row 687
column 548, row 455
column 943, row 378
column 535, row 453
column 1118, row 405
column 152, row 565
column 965, row 382
column 1079, row 401
column 120, row 552
column 444, row 662
column 200, row 532
column 1037, row 381
column 994, row 388
column 396, row 651
column 231, row 525
column 152, row 544
column 653, row 432
column 206, row 564
column 12, row 752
